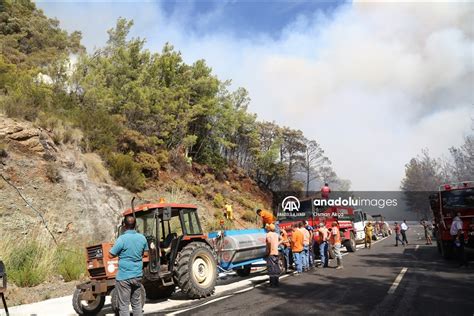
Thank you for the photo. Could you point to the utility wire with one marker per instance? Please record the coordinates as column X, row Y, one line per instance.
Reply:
column 32, row 207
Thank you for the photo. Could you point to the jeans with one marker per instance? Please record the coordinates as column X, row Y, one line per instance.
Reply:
column 129, row 292
column 323, row 252
column 404, row 236
column 305, row 257
column 311, row 255
column 397, row 239
column 273, row 269
column 297, row 261
column 337, row 251
column 286, row 254
column 459, row 251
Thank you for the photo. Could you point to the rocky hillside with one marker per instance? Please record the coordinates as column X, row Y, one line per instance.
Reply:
column 77, row 197
column 72, row 189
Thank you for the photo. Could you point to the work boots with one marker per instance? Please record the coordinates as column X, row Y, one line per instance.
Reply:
column 339, row 263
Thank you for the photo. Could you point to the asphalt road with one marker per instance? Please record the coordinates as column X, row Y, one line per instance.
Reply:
column 385, row 280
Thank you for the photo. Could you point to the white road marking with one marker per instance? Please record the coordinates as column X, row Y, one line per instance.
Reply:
column 416, row 248
column 194, row 307
column 397, row 281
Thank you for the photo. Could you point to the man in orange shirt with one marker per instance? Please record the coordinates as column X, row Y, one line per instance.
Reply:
column 285, row 244
column 336, row 243
column 267, row 217
column 273, row 267
column 297, row 248
column 323, row 245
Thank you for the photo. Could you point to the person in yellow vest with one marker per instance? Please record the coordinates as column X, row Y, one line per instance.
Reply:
column 368, row 229
column 229, row 212
column 335, row 241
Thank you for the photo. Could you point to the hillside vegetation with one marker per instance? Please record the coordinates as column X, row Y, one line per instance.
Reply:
column 78, row 127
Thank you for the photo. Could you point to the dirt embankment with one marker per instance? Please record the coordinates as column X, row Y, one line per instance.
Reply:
column 71, row 189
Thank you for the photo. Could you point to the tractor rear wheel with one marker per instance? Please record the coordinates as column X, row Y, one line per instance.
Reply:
column 244, row 271
column 196, row 270
column 351, row 244
column 114, row 302
column 87, row 307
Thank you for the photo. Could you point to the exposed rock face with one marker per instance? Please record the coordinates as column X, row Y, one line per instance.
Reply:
column 77, row 207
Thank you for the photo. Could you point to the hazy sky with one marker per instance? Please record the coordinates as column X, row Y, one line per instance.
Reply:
column 374, row 83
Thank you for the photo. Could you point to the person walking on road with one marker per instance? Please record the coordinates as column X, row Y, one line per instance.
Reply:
column 397, row 235
column 368, row 229
column 323, row 245
column 403, row 231
column 297, row 248
column 457, row 234
column 285, row 246
column 336, row 244
column 428, row 229
column 130, row 248
column 273, row 267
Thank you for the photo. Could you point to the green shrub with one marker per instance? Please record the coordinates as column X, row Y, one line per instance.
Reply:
column 27, row 264
column 71, row 264
column 126, row 172
column 149, row 165
column 218, row 201
column 195, row 190
column 246, row 202
column 249, row 216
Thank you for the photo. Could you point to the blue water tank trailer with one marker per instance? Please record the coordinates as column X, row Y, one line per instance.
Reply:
column 238, row 248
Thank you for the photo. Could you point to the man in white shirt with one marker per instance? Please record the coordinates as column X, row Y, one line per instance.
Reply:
column 403, row 231
column 457, row 234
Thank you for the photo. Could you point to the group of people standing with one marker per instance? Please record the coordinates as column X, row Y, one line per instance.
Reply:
column 297, row 245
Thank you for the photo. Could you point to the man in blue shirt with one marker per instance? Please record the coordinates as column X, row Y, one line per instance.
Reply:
column 129, row 247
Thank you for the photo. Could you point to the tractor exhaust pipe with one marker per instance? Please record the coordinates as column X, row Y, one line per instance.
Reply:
column 133, row 207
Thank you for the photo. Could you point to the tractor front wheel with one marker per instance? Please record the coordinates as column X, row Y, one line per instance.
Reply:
column 87, row 307
column 196, row 270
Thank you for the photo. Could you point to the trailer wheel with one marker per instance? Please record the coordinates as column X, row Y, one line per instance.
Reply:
column 196, row 270
column 114, row 302
column 351, row 244
column 90, row 307
column 154, row 290
column 244, row 271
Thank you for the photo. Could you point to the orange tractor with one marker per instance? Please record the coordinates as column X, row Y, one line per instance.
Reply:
column 179, row 255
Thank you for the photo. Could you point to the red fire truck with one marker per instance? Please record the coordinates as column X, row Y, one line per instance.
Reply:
column 445, row 204
column 315, row 215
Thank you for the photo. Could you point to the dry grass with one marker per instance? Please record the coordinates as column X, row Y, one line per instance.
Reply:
column 96, row 170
